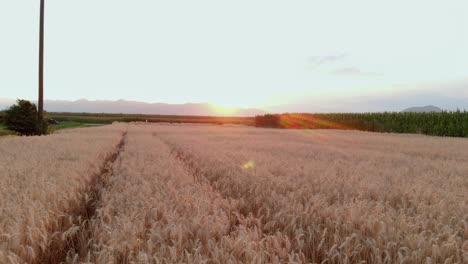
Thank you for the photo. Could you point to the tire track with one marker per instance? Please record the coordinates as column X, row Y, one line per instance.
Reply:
column 235, row 218
column 70, row 234
column 303, row 248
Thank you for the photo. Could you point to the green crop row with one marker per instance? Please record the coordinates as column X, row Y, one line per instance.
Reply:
column 453, row 124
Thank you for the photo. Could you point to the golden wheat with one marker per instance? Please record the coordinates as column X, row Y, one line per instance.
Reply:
column 42, row 180
column 232, row 194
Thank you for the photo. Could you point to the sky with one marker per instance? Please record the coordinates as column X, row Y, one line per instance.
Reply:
column 289, row 55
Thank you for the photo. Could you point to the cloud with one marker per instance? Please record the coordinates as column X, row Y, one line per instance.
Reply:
column 451, row 95
column 320, row 60
column 352, row 71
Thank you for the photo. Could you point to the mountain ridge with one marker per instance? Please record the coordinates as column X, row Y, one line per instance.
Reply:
column 135, row 107
column 423, row 109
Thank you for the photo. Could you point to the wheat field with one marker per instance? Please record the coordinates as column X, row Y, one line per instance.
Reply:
column 160, row 193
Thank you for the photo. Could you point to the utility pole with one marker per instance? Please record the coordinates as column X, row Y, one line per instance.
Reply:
column 40, row 101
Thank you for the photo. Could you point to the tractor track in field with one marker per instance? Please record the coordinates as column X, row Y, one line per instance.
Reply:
column 199, row 176
column 71, row 231
column 235, row 220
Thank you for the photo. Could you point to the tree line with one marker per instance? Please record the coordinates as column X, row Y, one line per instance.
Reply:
column 22, row 118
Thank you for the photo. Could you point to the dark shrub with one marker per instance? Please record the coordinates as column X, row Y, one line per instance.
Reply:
column 267, row 121
column 22, row 118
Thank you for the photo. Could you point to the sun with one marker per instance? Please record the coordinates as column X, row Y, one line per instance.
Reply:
column 221, row 110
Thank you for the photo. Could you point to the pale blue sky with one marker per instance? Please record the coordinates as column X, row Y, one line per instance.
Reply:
column 280, row 55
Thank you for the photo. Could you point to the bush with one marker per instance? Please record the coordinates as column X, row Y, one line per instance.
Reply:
column 22, row 118
column 267, row 121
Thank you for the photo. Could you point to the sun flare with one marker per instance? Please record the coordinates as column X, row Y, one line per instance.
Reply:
column 222, row 110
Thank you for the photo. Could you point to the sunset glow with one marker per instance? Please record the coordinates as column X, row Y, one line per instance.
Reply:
column 242, row 131
column 301, row 56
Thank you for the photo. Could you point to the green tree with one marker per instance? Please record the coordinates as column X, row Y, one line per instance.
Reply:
column 22, row 118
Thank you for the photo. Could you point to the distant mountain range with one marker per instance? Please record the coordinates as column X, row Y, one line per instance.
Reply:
column 133, row 107
column 423, row 109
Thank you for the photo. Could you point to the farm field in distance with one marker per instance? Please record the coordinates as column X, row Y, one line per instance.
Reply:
column 187, row 193
column 4, row 131
column 105, row 118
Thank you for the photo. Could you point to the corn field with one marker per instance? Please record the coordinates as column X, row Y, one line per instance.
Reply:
column 451, row 124
column 160, row 193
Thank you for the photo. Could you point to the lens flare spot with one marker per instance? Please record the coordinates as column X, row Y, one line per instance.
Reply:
column 249, row 165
